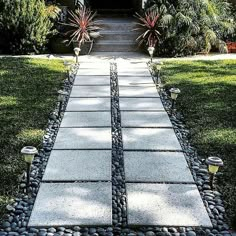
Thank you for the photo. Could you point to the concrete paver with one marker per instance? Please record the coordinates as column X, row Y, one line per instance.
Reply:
column 141, row 104
column 145, row 119
column 138, row 91
column 68, row 204
column 94, row 71
column 78, row 165
column 83, row 138
column 156, row 167
column 89, row 104
column 92, row 80
column 150, row 139
column 135, row 81
column 90, row 91
column 166, row 205
column 86, row 119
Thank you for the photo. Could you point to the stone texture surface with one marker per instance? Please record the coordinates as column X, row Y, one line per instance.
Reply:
column 92, row 80
column 71, row 204
column 133, row 71
column 145, row 119
column 150, row 139
column 90, row 91
column 86, row 119
column 166, row 205
column 141, row 104
column 83, row 138
column 138, row 91
column 94, row 71
column 156, row 167
column 89, row 104
column 78, row 165
column 135, row 81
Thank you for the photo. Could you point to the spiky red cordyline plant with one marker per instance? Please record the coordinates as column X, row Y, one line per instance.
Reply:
column 82, row 22
column 149, row 28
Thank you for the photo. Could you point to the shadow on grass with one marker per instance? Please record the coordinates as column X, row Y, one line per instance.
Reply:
column 28, row 93
column 208, row 102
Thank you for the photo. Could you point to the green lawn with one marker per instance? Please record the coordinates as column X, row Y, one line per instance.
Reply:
column 28, row 93
column 208, row 102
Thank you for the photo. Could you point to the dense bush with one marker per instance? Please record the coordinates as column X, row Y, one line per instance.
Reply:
column 24, row 25
column 190, row 26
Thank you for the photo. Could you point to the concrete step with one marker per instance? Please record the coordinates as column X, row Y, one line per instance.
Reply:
column 118, row 35
column 115, row 46
column 117, row 26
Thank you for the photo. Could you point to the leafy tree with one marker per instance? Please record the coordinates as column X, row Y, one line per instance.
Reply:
column 25, row 25
column 190, row 26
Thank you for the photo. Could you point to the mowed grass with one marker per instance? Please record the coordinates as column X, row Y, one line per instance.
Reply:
column 208, row 103
column 28, row 93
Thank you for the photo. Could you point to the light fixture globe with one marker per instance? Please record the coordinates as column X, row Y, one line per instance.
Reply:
column 28, row 153
column 77, row 51
column 61, row 95
column 174, row 92
column 151, row 51
column 213, row 164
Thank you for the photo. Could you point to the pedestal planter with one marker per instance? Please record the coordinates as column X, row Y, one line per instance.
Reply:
column 231, row 47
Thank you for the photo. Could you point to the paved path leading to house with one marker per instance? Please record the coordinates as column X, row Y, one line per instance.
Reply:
column 77, row 184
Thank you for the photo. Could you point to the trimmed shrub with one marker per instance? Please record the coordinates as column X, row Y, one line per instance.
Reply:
column 24, row 25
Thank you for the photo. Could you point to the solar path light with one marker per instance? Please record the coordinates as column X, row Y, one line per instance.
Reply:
column 214, row 164
column 174, row 92
column 28, row 153
column 158, row 66
column 68, row 67
column 61, row 97
column 151, row 52
column 77, row 51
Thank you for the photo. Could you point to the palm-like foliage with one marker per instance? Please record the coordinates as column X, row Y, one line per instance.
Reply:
column 149, row 27
column 193, row 25
column 82, row 23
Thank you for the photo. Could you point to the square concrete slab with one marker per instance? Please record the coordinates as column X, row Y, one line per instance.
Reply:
column 166, row 205
column 133, row 71
column 86, row 119
column 94, row 66
column 71, row 204
column 78, row 165
column 83, row 138
column 135, row 81
column 90, row 91
column 157, row 167
column 92, row 80
column 145, row 119
column 89, row 104
column 141, row 104
column 94, row 71
column 150, row 139
column 138, row 91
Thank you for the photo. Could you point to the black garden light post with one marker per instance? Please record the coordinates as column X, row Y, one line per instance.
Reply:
column 61, row 97
column 67, row 65
column 174, row 92
column 158, row 66
column 213, row 166
column 28, row 153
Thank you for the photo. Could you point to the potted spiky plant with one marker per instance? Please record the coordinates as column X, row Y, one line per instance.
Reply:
column 149, row 26
column 83, row 29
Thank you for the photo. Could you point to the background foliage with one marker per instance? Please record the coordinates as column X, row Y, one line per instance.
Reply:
column 190, row 26
column 24, row 26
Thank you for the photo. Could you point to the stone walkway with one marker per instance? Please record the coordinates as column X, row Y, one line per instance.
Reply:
column 77, row 184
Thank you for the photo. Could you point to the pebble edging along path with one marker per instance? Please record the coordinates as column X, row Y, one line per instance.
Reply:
column 124, row 186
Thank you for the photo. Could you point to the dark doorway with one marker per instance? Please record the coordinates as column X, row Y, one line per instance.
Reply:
column 110, row 4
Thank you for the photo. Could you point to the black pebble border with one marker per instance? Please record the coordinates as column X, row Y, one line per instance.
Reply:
column 16, row 220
